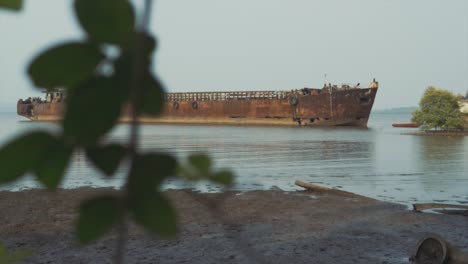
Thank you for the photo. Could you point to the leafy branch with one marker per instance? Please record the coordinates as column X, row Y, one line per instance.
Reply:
column 14, row 5
column 10, row 258
column 101, row 87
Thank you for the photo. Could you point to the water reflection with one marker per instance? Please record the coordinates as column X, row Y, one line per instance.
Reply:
column 434, row 150
column 263, row 157
column 443, row 161
column 378, row 162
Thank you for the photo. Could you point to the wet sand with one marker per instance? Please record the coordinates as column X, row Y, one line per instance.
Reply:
column 253, row 227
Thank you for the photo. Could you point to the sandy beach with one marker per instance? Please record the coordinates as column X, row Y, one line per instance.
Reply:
column 250, row 227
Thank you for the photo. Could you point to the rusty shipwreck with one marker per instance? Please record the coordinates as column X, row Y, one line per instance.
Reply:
column 328, row 106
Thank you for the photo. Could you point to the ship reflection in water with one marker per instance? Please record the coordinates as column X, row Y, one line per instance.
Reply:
column 379, row 162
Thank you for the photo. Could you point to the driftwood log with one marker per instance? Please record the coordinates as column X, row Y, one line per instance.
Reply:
column 434, row 250
column 322, row 189
column 424, row 206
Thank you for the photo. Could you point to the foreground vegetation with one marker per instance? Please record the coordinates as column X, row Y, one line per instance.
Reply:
column 103, row 73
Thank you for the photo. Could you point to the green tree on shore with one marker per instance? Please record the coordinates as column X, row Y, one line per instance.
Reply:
column 438, row 109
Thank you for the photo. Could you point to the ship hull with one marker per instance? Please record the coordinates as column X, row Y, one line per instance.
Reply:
column 305, row 107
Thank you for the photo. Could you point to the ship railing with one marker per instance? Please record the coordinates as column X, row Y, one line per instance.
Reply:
column 223, row 96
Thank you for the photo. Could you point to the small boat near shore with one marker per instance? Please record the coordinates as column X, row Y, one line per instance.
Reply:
column 412, row 125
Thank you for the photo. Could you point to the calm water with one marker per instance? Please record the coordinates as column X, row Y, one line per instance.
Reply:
column 377, row 162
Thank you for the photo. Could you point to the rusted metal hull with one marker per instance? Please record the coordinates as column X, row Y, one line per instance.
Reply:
column 37, row 111
column 305, row 107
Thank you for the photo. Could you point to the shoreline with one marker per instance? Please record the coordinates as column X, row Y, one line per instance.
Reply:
column 274, row 226
column 436, row 133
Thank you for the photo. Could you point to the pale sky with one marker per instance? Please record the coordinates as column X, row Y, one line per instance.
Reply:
column 215, row 45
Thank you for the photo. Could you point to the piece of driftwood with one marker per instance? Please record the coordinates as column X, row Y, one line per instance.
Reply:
column 434, row 250
column 418, row 207
column 322, row 189
column 452, row 212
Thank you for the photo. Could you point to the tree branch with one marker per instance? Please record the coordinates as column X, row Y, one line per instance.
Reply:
column 136, row 83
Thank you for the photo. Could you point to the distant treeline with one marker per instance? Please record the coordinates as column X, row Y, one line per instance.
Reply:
column 398, row 110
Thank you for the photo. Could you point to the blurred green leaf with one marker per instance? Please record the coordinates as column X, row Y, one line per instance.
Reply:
column 149, row 207
column 108, row 21
column 149, row 43
column 149, row 170
column 3, row 251
column 185, row 172
column 23, row 154
column 106, row 158
column 146, row 45
column 151, row 91
column 224, row 177
column 153, row 96
column 154, row 212
column 201, row 162
column 65, row 65
column 92, row 110
column 97, row 216
column 11, row 4
column 122, row 76
column 51, row 169
column 15, row 257
column 199, row 167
